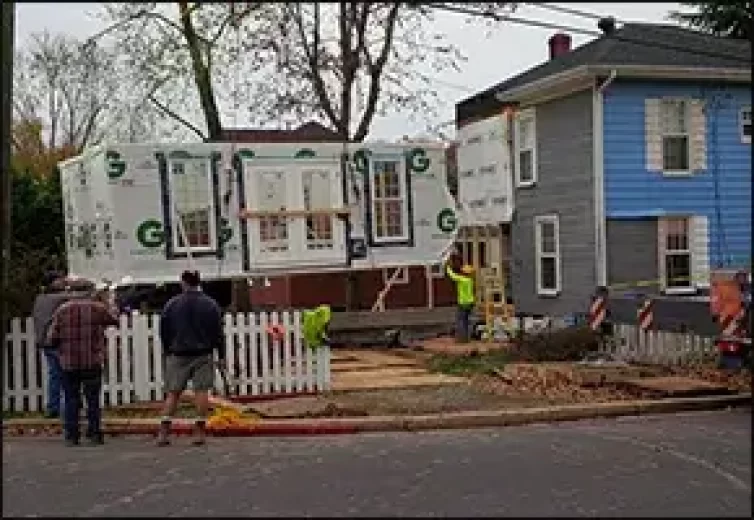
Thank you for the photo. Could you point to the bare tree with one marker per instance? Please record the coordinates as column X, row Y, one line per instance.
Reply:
column 72, row 89
column 183, row 54
column 79, row 93
column 349, row 61
column 342, row 63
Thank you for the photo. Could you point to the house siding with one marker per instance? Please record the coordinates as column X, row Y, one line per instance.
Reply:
column 565, row 188
column 721, row 191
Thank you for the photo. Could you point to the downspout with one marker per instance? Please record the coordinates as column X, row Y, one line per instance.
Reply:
column 598, row 159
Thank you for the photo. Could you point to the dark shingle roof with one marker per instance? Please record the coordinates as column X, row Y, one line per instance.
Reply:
column 632, row 44
column 311, row 132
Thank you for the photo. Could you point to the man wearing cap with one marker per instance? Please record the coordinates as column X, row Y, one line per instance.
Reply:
column 465, row 300
column 191, row 329
column 54, row 294
column 78, row 331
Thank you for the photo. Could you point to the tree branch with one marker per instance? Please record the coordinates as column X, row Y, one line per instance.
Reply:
column 314, row 72
column 167, row 111
column 375, row 72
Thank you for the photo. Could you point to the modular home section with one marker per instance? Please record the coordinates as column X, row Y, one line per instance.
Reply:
column 267, row 209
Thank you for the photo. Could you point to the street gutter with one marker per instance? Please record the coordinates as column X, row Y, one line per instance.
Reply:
column 457, row 420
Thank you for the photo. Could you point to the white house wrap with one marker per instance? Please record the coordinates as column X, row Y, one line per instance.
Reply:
column 254, row 209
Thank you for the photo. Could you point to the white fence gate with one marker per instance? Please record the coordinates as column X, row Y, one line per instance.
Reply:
column 661, row 347
column 133, row 371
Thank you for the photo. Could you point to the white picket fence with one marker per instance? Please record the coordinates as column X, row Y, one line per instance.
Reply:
column 134, row 368
column 660, row 347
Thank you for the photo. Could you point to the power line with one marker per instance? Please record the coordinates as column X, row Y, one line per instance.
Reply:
column 569, row 10
column 585, row 32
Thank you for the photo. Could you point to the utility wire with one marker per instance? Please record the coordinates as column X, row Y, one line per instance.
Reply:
column 585, row 32
column 569, row 10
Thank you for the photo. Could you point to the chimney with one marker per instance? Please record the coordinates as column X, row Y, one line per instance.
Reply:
column 606, row 25
column 560, row 43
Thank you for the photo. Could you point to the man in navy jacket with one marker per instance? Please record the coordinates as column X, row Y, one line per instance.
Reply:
column 190, row 331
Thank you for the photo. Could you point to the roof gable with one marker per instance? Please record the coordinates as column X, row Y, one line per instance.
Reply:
column 632, row 44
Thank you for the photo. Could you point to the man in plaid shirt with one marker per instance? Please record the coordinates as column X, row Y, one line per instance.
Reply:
column 78, row 332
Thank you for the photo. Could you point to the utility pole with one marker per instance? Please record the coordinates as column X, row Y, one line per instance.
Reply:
column 7, row 16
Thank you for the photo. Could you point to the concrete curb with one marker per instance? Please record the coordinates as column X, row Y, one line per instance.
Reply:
column 459, row 420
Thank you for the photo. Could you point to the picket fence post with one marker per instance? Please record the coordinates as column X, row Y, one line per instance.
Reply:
column 133, row 369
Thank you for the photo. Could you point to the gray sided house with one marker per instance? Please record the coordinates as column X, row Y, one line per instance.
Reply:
column 631, row 169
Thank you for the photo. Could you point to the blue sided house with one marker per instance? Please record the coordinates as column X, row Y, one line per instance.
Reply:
column 631, row 169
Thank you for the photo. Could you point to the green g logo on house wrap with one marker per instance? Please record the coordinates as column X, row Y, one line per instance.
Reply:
column 150, row 234
column 447, row 221
column 116, row 167
column 418, row 161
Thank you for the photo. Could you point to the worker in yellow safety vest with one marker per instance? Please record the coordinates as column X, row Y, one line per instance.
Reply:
column 464, row 300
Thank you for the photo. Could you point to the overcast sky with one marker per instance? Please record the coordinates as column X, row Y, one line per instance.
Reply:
column 493, row 55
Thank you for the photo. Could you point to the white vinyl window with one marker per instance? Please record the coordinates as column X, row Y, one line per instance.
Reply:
column 676, row 142
column 319, row 227
column 744, row 123
column 676, row 257
column 193, row 205
column 389, row 196
column 547, row 250
column 525, row 141
column 273, row 197
column 400, row 277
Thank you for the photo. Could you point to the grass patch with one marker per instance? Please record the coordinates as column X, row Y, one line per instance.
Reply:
column 468, row 364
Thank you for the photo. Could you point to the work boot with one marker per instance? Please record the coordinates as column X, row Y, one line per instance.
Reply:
column 164, row 433
column 95, row 438
column 200, row 433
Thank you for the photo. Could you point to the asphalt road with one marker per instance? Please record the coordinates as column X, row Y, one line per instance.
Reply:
column 681, row 465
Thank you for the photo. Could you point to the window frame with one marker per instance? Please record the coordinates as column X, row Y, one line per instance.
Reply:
column 665, row 252
column 527, row 115
column 407, row 238
column 687, row 134
column 745, row 139
column 170, row 220
column 539, row 255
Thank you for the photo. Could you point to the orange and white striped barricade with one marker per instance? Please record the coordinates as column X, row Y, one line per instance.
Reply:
column 645, row 315
column 598, row 309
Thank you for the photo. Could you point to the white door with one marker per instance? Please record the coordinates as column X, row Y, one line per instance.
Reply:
column 291, row 220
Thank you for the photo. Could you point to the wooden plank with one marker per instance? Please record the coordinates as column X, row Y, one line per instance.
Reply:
column 231, row 353
column 32, row 360
column 158, row 377
column 298, row 353
column 249, row 214
column 254, row 346
column 288, row 376
column 275, row 354
column 18, row 367
column 140, row 360
column 264, row 349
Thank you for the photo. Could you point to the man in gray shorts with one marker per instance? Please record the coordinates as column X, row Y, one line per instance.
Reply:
column 191, row 330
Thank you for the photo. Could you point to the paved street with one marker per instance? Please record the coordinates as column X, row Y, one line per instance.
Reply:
column 683, row 465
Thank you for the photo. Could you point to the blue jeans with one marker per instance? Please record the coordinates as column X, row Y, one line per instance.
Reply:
column 463, row 323
column 54, row 381
column 74, row 382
